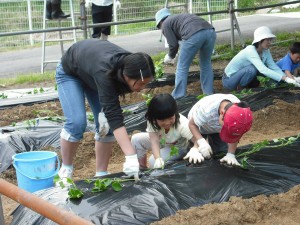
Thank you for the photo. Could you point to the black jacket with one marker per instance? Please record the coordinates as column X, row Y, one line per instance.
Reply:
column 90, row 60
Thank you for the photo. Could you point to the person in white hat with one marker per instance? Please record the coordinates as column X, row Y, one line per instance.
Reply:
column 197, row 36
column 242, row 70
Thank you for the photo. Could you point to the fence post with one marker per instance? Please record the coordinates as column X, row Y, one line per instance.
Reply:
column 209, row 10
column 29, row 20
column 115, row 15
column 1, row 213
column 83, row 18
column 230, row 8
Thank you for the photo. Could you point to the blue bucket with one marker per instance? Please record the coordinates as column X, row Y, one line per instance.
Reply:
column 36, row 170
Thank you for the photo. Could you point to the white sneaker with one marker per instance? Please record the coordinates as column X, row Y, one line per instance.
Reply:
column 64, row 173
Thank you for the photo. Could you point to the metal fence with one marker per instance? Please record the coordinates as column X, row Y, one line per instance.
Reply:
column 27, row 15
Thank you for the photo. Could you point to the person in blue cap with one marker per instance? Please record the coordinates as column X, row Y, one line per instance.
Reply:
column 196, row 36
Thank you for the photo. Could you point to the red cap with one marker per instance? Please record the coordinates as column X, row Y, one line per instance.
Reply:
column 237, row 121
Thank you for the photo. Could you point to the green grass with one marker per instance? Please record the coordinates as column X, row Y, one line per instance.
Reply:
column 28, row 78
column 222, row 52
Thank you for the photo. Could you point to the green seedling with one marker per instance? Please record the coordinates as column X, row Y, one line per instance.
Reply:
column 257, row 147
column 31, row 123
column 103, row 184
column 100, row 185
column 242, row 93
column 3, row 96
column 127, row 111
column 201, row 96
column 265, row 82
column 159, row 69
column 148, row 98
column 44, row 112
column 74, row 192
column 90, row 117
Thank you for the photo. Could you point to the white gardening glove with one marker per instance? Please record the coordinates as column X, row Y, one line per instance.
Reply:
column 88, row 4
column 103, row 124
column 297, row 79
column 169, row 60
column 131, row 166
column 204, row 148
column 159, row 163
column 292, row 81
column 118, row 4
column 194, row 156
column 230, row 160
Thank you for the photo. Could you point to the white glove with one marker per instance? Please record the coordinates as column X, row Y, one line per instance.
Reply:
column 118, row 4
column 204, row 148
column 230, row 160
column 159, row 163
column 297, row 79
column 88, row 4
column 169, row 60
column 103, row 124
column 131, row 166
column 194, row 155
column 292, row 81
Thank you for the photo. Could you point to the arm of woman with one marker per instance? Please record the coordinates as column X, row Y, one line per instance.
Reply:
column 155, row 145
column 123, row 140
column 254, row 58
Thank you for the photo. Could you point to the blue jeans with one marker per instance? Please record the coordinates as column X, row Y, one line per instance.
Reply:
column 203, row 43
column 72, row 93
column 242, row 78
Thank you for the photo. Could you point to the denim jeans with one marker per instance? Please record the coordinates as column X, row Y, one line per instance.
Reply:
column 242, row 77
column 72, row 93
column 203, row 43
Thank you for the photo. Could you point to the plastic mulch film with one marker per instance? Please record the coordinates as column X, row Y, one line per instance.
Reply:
column 161, row 193
column 18, row 139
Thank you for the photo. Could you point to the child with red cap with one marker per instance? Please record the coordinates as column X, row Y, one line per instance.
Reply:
column 222, row 119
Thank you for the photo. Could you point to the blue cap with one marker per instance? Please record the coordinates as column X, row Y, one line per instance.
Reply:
column 161, row 14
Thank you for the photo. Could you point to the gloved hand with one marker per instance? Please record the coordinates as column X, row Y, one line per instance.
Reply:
column 169, row 60
column 103, row 124
column 230, row 160
column 194, row 156
column 204, row 148
column 131, row 166
column 118, row 4
column 159, row 163
column 88, row 4
column 297, row 79
column 292, row 81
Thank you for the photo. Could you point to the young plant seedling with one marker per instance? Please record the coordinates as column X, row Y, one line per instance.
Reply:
column 257, row 147
column 74, row 192
column 148, row 98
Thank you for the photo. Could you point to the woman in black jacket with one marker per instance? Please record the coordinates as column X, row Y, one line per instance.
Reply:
column 101, row 72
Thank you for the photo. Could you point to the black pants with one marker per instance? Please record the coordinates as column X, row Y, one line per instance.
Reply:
column 216, row 143
column 101, row 14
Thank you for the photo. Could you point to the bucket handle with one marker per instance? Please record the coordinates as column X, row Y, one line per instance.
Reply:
column 34, row 178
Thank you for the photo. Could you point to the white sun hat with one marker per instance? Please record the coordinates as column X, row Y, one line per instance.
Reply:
column 262, row 33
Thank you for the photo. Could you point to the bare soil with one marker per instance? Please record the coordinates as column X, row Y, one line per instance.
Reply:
column 281, row 119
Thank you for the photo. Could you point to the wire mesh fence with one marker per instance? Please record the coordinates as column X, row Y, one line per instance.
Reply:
column 17, row 15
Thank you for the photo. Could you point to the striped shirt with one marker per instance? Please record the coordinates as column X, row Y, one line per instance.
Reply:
column 206, row 112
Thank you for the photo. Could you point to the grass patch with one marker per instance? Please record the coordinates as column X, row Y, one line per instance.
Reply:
column 28, row 78
column 222, row 52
